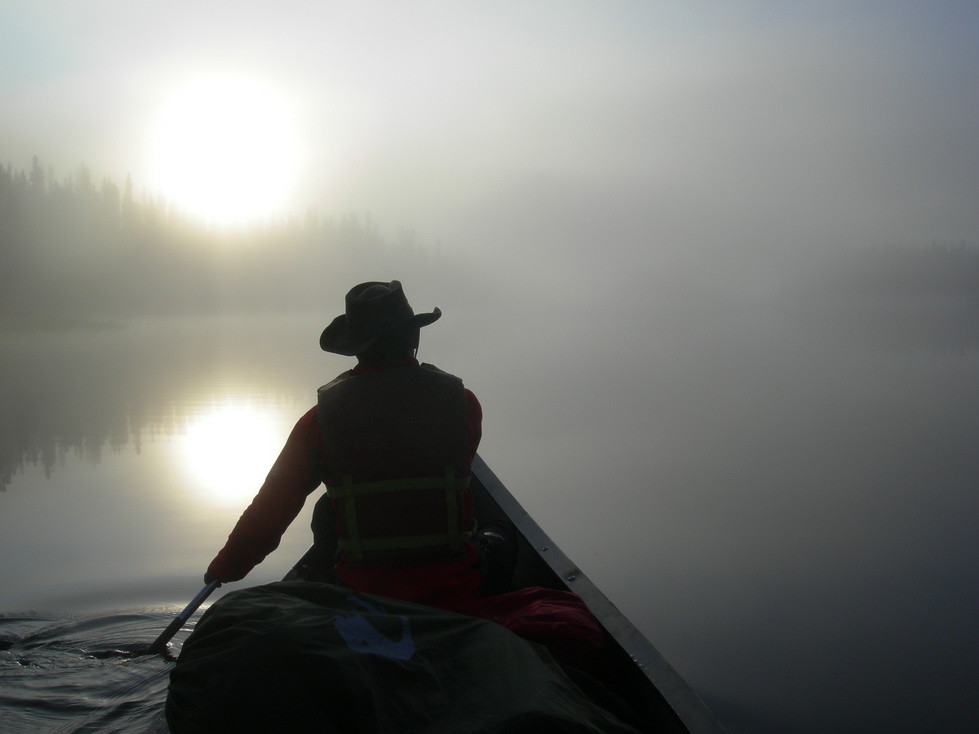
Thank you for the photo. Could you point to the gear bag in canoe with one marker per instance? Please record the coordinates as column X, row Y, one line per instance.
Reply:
column 300, row 657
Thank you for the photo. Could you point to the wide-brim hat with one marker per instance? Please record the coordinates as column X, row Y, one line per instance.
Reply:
column 373, row 310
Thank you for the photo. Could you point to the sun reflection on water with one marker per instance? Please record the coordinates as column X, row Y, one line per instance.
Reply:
column 227, row 449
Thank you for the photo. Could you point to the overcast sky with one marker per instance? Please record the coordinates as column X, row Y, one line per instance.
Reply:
column 700, row 125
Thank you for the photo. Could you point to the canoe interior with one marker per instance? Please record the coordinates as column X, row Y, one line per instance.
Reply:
column 645, row 680
column 654, row 690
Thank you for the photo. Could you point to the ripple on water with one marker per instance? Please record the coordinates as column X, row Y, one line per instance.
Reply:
column 84, row 674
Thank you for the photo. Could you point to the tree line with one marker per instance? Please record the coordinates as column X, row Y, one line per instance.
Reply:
column 84, row 248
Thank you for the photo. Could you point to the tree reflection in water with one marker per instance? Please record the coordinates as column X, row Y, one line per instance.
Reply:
column 78, row 393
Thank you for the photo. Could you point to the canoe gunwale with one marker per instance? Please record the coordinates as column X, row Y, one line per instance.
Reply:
column 690, row 714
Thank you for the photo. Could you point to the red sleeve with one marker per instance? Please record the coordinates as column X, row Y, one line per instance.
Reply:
column 474, row 419
column 293, row 476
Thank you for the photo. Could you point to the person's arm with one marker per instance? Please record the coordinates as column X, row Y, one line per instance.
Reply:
column 293, row 476
column 474, row 421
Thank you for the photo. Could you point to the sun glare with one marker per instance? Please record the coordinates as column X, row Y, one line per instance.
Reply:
column 227, row 451
column 225, row 150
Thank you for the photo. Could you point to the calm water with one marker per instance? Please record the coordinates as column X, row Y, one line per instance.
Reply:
column 787, row 511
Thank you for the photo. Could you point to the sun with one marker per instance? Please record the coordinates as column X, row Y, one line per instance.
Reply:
column 224, row 150
column 227, row 451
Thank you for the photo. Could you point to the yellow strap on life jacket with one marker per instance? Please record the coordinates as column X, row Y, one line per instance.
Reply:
column 453, row 537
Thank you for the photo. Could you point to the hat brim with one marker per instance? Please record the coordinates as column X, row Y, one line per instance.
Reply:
column 337, row 338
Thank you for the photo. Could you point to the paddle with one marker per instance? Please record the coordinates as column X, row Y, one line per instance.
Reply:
column 161, row 642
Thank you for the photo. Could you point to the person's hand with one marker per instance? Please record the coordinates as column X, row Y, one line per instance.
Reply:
column 209, row 577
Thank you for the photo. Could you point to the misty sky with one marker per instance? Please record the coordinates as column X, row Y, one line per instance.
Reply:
column 541, row 126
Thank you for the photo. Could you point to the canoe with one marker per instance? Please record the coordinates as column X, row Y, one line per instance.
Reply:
column 643, row 678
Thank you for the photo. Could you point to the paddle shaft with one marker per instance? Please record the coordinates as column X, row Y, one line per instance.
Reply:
column 161, row 642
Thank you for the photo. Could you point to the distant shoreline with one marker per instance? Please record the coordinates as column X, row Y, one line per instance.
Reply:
column 16, row 325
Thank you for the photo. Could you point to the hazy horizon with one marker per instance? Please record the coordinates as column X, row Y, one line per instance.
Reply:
column 556, row 153
column 689, row 122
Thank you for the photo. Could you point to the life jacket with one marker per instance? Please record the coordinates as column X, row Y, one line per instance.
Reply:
column 396, row 456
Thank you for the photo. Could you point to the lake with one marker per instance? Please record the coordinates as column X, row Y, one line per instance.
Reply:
column 785, row 505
